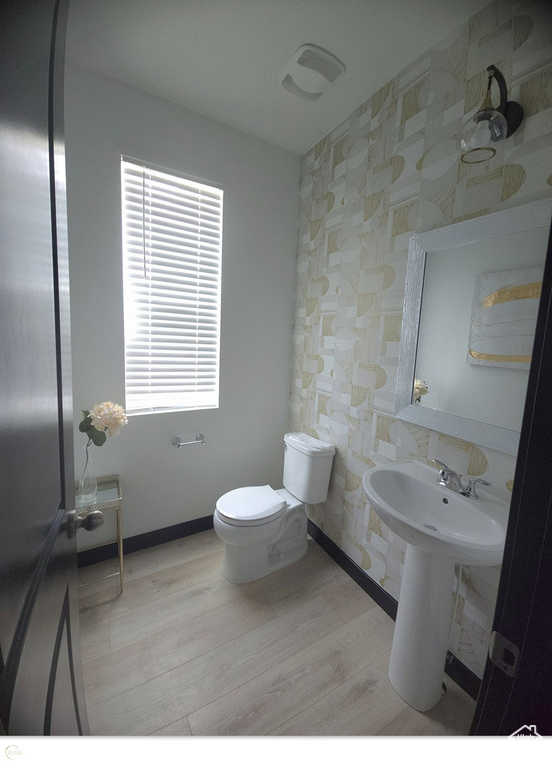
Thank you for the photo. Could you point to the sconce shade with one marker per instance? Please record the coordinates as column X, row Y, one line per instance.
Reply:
column 478, row 135
column 489, row 125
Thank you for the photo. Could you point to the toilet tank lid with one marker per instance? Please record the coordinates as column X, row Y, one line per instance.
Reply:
column 309, row 445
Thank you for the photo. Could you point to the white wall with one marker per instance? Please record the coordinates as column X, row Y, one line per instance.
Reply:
column 163, row 485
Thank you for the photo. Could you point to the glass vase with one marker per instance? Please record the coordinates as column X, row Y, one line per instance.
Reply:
column 88, row 486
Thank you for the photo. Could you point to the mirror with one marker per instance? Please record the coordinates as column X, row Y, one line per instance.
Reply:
column 472, row 295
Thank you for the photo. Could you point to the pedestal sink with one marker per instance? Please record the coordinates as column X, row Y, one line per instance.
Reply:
column 441, row 528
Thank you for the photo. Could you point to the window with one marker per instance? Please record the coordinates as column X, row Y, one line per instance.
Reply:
column 172, row 235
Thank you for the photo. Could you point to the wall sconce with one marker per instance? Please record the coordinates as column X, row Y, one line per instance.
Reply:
column 489, row 125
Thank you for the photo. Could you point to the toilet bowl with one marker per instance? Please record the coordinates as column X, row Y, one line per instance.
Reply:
column 264, row 530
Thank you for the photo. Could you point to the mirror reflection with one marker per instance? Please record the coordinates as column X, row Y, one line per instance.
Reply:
column 470, row 310
column 477, row 324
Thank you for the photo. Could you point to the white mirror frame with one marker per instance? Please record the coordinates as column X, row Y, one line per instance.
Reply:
column 509, row 221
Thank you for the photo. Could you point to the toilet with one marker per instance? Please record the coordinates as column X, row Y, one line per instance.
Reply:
column 264, row 530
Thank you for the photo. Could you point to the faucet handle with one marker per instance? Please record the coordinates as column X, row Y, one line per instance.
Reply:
column 441, row 464
column 471, row 490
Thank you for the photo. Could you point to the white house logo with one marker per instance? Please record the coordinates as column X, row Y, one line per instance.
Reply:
column 13, row 752
column 526, row 732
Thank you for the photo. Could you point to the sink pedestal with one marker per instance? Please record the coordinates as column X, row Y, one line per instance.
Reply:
column 422, row 627
column 441, row 528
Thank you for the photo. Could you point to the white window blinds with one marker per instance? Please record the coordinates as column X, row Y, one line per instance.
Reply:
column 172, row 233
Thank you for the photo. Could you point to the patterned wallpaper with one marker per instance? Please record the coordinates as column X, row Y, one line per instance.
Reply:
column 389, row 171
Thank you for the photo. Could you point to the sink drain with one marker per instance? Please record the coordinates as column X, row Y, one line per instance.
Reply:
column 432, row 528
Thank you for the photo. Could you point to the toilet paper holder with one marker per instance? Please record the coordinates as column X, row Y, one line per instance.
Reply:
column 200, row 440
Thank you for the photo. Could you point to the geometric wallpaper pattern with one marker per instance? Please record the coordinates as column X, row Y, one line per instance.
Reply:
column 392, row 170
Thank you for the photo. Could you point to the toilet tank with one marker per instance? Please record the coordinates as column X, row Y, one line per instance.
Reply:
column 307, row 467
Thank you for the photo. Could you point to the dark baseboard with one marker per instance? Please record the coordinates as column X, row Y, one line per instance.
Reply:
column 462, row 675
column 145, row 540
column 377, row 593
column 454, row 668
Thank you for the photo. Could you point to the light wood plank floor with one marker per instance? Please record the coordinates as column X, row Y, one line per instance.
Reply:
column 184, row 652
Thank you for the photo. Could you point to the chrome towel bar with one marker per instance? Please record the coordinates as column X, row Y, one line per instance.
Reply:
column 200, row 440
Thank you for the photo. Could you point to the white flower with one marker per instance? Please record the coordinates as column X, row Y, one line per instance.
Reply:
column 420, row 389
column 108, row 417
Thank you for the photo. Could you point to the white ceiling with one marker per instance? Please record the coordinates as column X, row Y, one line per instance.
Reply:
column 224, row 58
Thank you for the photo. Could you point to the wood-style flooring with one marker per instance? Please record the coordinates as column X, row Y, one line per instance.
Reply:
column 184, row 652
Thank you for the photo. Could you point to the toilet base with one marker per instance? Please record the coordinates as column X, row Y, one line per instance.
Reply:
column 247, row 561
column 260, row 561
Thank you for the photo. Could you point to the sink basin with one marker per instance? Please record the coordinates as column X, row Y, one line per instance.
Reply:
column 441, row 528
column 409, row 500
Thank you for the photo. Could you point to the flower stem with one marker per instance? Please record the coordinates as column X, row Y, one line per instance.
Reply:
column 88, row 444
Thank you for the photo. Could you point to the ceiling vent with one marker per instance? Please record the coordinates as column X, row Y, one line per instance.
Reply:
column 311, row 72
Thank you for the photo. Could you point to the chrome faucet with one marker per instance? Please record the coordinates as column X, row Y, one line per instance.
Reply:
column 453, row 481
column 448, row 477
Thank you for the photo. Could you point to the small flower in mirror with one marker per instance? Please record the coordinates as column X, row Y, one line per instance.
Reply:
column 420, row 389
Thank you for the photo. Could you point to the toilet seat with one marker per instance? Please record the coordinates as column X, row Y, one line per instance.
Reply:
column 252, row 505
